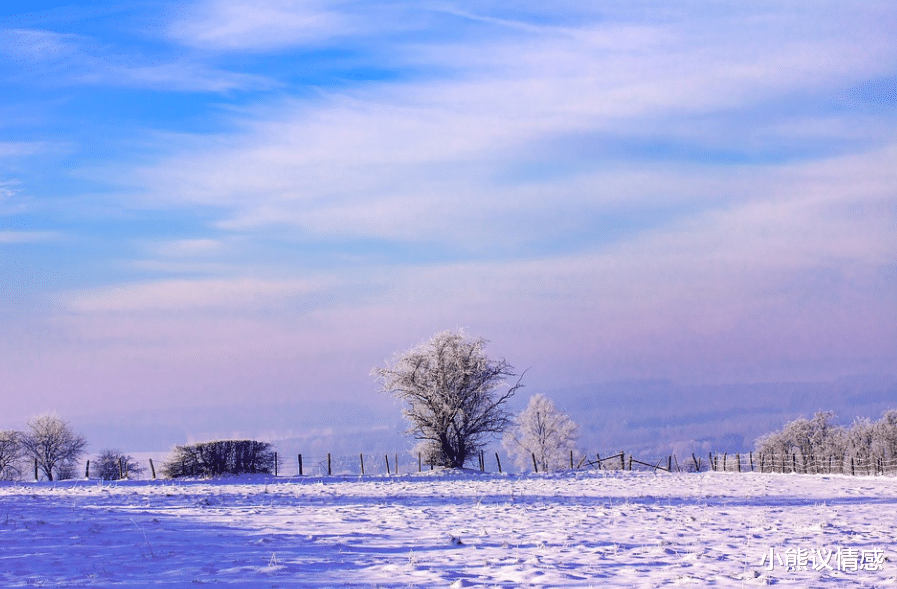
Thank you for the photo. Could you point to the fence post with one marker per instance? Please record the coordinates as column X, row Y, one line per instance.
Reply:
column 387, row 462
column 152, row 468
column 738, row 460
column 622, row 461
column 87, row 470
column 571, row 459
column 670, row 463
column 329, row 470
column 794, row 462
column 535, row 467
column 630, row 462
column 498, row 461
column 35, row 469
column 121, row 468
column 419, row 462
column 275, row 464
column 361, row 459
column 852, row 471
column 752, row 461
column 300, row 465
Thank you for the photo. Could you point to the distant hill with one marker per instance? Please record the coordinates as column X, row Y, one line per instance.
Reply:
column 651, row 418
column 658, row 417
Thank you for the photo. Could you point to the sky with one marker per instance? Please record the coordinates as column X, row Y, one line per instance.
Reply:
column 224, row 203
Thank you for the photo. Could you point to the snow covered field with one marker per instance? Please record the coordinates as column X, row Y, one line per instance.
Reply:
column 623, row 529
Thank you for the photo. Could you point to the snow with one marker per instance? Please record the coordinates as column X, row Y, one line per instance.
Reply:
column 583, row 529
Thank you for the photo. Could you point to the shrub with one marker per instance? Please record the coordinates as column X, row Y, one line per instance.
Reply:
column 209, row 459
column 112, row 465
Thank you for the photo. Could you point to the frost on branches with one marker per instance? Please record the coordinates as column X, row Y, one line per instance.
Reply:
column 52, row 443
column 544, row 431
column 453, row 395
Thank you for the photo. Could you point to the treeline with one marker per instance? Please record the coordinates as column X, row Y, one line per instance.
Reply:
column 820, row 437
column 50, row 449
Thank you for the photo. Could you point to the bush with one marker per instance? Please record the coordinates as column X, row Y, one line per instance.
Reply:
column 209, row 459
column 112, row 464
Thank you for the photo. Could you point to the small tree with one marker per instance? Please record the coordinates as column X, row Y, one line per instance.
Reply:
column 542, row 430
column 112, row 465
column 52, row 443
column 10, row 454
column 451, row 390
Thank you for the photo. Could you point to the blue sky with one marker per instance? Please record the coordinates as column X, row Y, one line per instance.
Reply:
column 213, row 202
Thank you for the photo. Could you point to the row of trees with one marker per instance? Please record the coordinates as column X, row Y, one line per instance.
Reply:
column 455, row 398
column 54, row 448
column 820, row 437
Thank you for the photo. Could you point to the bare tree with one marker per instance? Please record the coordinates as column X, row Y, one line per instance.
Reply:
column 452, row 395
column 52, row 443
column 541, row 430
column 10, row 454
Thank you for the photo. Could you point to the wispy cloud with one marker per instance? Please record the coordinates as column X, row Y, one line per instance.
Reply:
column 605, row 191
column 249, row 295
column 28, row 236
column 53, row 58
column 237, row 25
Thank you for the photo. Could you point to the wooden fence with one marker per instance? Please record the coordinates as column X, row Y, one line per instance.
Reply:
column 407, row 463
column 797, row 463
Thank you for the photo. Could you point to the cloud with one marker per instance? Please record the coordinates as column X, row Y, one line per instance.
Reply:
column 55, row 58
column 177, row 296
column 618, row 195
column 21, row 148
column 28, row 236
column 186, row 247
column 237, row 25
column 586, row 106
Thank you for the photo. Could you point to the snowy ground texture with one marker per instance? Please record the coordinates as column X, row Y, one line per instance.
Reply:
column 619, row 529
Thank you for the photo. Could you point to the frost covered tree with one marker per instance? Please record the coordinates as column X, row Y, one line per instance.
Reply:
column 454, row 395
column 804, row 437
column 542, row 430
column 860, row 437
column 53, row 444
column 10, row 454
column 884, row 435
column 112, row 465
